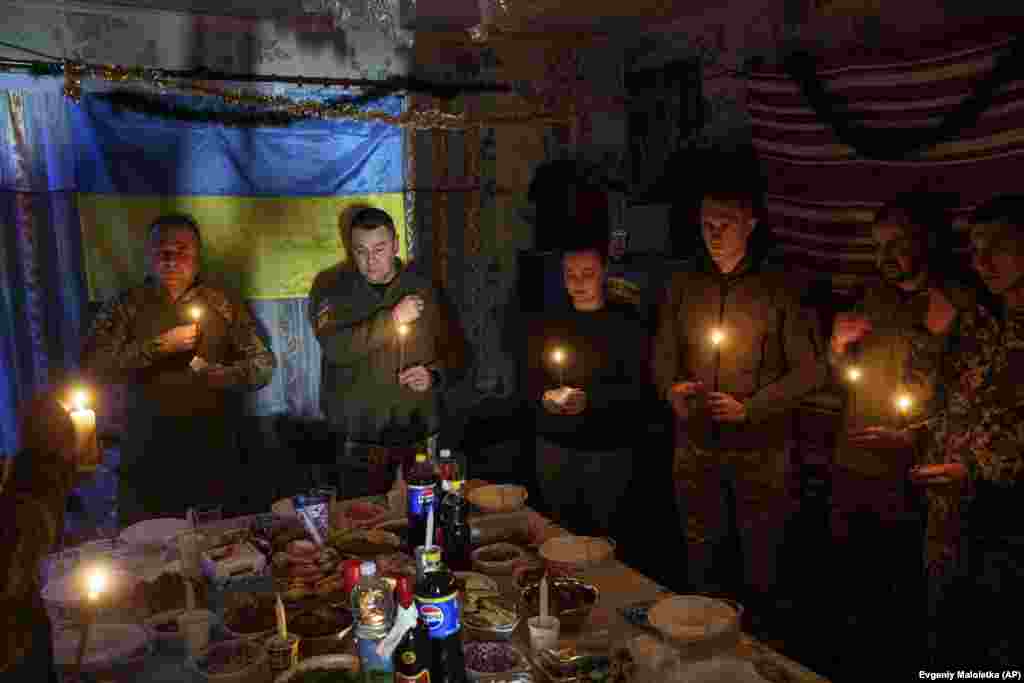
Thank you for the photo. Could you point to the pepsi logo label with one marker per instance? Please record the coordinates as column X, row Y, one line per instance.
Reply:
column 433, row 616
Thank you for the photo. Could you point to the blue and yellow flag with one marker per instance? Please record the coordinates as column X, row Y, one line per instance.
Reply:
column 268, row 199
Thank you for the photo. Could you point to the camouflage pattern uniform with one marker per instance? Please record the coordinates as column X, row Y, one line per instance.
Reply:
column 180, row 443
column 981, row 427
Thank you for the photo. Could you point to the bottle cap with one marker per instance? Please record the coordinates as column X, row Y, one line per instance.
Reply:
column 446, row 453
column 421, row 457
column 368, row 568
column 403, row 590
column 455, row 485
column 432, row 556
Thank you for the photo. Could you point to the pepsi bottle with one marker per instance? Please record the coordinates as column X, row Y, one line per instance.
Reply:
column 420, row 484
column 438, row 603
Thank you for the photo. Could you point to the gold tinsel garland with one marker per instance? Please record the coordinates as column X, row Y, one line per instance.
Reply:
column 415, row 117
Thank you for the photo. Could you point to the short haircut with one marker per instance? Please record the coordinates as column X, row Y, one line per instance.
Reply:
column 1004, row 208
column 587, row 237
column 925, row 213
column 175, row 220
column 732, row 176
column 371, row 218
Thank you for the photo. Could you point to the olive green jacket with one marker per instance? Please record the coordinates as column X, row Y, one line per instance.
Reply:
column 359, row 390
column 771, row 357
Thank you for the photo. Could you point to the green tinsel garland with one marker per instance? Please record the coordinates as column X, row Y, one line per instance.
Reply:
column 156, row 106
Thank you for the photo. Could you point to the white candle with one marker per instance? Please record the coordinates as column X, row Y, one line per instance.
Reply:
column 544, row 597
column 282, row 622
column 430, row 528
column 84, row 421
column 403, row 330
column 95, row 584
column 558, row 356
column 904, row 402
column 196, row 313
column 717, row 338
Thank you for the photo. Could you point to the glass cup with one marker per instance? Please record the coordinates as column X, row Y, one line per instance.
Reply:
column 283, row 653
column 544, row 633
column 207, row 514
column 190, row 548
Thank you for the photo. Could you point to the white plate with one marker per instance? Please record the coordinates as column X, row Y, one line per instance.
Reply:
column 108, row 643
column 154, row 532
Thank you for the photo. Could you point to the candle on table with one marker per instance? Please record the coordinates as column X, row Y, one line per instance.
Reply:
column 96, row 583
column 558, row 357
column 84, row 420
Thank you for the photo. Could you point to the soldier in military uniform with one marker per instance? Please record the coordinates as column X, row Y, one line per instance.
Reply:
column 978, row 441
column 873, row 506
column 183, row 378
column 731, row 438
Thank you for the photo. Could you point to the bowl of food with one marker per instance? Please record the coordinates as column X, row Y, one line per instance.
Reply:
column 697, row 624
column 489, row 616
column 571, row 600
column 568, row 555
column 488, row 659
column 359, row 514
column 327, row 669
column 232, row 661
column 249, row 616
column 321, row 630
column 399, row 527
column 364, row 543
column 498, row 558
column 498, row 498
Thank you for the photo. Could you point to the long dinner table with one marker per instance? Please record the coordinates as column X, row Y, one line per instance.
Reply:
column 620, row 587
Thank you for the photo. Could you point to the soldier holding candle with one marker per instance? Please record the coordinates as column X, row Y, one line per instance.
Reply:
column 979, row 447
column 768, row 356
column 389, row 347
column 180, row 447
column 872, row 506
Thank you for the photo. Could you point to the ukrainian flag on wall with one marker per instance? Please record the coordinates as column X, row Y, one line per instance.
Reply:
column 268, row 199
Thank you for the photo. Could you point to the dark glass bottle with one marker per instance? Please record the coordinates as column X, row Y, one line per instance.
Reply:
column 412, row 656
column 437, row 600
column 457, row 548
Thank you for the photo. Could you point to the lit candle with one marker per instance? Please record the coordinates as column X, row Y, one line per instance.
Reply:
column 853, row 376
column 558, row 357
column 717, row 339
column 403, row 331
column 95, row 584
column 196, row 313
column 84, row 420
column 904, row 402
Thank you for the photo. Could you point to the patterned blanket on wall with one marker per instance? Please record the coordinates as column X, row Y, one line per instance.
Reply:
column 822, row 191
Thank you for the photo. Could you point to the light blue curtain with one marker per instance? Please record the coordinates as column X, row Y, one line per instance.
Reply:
column 42, row 287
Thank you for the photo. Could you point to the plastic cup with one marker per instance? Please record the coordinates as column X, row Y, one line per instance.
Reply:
column 190, row 548
column 544, row 633
column 283, row 654
column 195, row 627
column 207, row 514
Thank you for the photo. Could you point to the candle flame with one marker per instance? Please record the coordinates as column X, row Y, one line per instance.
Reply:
column 403, row 330
column 196, row 313
column 96, row 583
column 853, row 374
column 558, row 355
column 717, row 337
column 80, row 399
column 904, row 402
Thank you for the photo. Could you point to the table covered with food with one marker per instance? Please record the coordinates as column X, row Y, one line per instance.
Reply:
column 289, row 597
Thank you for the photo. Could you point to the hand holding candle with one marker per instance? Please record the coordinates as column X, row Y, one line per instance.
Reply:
column 403, row 332
column 87, row 451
